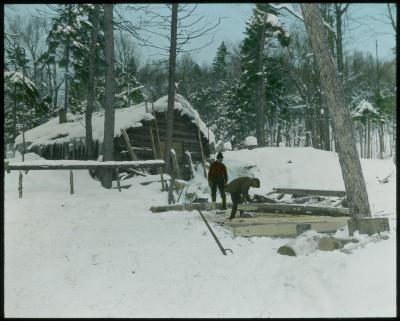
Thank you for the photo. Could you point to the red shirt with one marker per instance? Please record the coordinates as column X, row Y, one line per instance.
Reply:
column 217, row 169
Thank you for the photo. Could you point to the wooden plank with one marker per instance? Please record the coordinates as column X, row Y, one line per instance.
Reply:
column 278, row 229
column 128, row 145
column 307, row 192
column 287, row 229
column 262, row 220
column 266, row 209
column 186, row 207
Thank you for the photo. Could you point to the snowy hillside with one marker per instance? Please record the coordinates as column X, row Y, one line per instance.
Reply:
column 102, row 253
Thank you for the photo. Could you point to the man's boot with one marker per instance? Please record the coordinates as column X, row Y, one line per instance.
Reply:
column 223, row 207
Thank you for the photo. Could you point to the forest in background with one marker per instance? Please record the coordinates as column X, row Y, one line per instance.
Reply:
column 272, row 91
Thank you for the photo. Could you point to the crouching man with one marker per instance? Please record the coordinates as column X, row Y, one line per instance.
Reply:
column 239, row 189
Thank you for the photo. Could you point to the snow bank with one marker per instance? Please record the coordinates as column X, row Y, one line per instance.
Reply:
column 52, row 132
column 250, row 141
column 227, row 146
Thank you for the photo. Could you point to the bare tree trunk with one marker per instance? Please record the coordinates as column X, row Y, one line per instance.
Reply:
column 92, row 75
column 381, row 140
column 49, row 82
column 279, row 135
column 339, row 39
column 14, row 115
column 360, row 132
column 171, row 88
column 327, row 142
column 63, row 113
column 109, row 114
column 260, row 91
column 368, row 138
column 55, row 95
column 394, row 133
column 342, row 125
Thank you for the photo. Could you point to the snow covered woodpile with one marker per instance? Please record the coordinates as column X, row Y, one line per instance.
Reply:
column 53, row 140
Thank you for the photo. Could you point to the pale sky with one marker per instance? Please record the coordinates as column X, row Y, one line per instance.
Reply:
column 368, row 26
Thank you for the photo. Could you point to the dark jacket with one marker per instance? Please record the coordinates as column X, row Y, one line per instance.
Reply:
column 240, row 185
column 217, row 169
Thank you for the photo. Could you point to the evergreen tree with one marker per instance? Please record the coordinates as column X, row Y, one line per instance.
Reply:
column 220, row 62
column 262, row 31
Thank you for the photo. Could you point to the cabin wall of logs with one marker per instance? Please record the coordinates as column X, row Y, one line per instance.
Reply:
column 185, row 138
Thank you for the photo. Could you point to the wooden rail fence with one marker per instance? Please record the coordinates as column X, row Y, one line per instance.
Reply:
column 77, row 165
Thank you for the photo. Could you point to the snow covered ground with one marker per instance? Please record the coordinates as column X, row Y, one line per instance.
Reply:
column 102, row 253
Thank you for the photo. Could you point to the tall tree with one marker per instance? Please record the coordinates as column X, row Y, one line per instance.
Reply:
column 220, row 62
column 341, row 120
column 109, row 114
column 171, row 87
column 92, row 75
column 261, row 30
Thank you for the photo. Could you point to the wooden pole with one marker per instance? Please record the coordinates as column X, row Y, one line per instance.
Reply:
column 153, row 146
column 23, row 142
column 201, row 150
column 175, row 163
column 118, row 180
column 164, row 185
column 20, row 184
column 128, row 145
column 157, row 132
column 171, row 198
column 71, row 182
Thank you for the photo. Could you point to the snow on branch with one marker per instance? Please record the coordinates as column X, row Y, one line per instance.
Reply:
column 288, row 7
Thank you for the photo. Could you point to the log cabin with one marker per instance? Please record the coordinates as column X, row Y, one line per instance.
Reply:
column 142, row 122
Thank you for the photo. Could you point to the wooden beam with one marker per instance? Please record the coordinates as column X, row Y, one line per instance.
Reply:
column 289, row 227
column 72, row 164
column 267, row 209
column 368, row 226
column 186, row 207
column 281, row 218
column 307, row 192
column 128, row 145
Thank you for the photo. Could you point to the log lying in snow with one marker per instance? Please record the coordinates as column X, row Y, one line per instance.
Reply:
column 74, row 164
column 266, row 209
column 306, row 192
column 285, row 226
column 186, row 207
column 314, row 242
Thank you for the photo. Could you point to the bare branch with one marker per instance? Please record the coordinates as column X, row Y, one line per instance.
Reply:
column 391, row 18
column 345, row 8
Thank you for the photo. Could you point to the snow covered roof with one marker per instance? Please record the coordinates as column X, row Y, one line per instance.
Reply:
column 52, row 132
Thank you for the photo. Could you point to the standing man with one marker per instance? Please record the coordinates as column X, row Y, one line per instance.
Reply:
column 218, row 177
column 239, row 190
